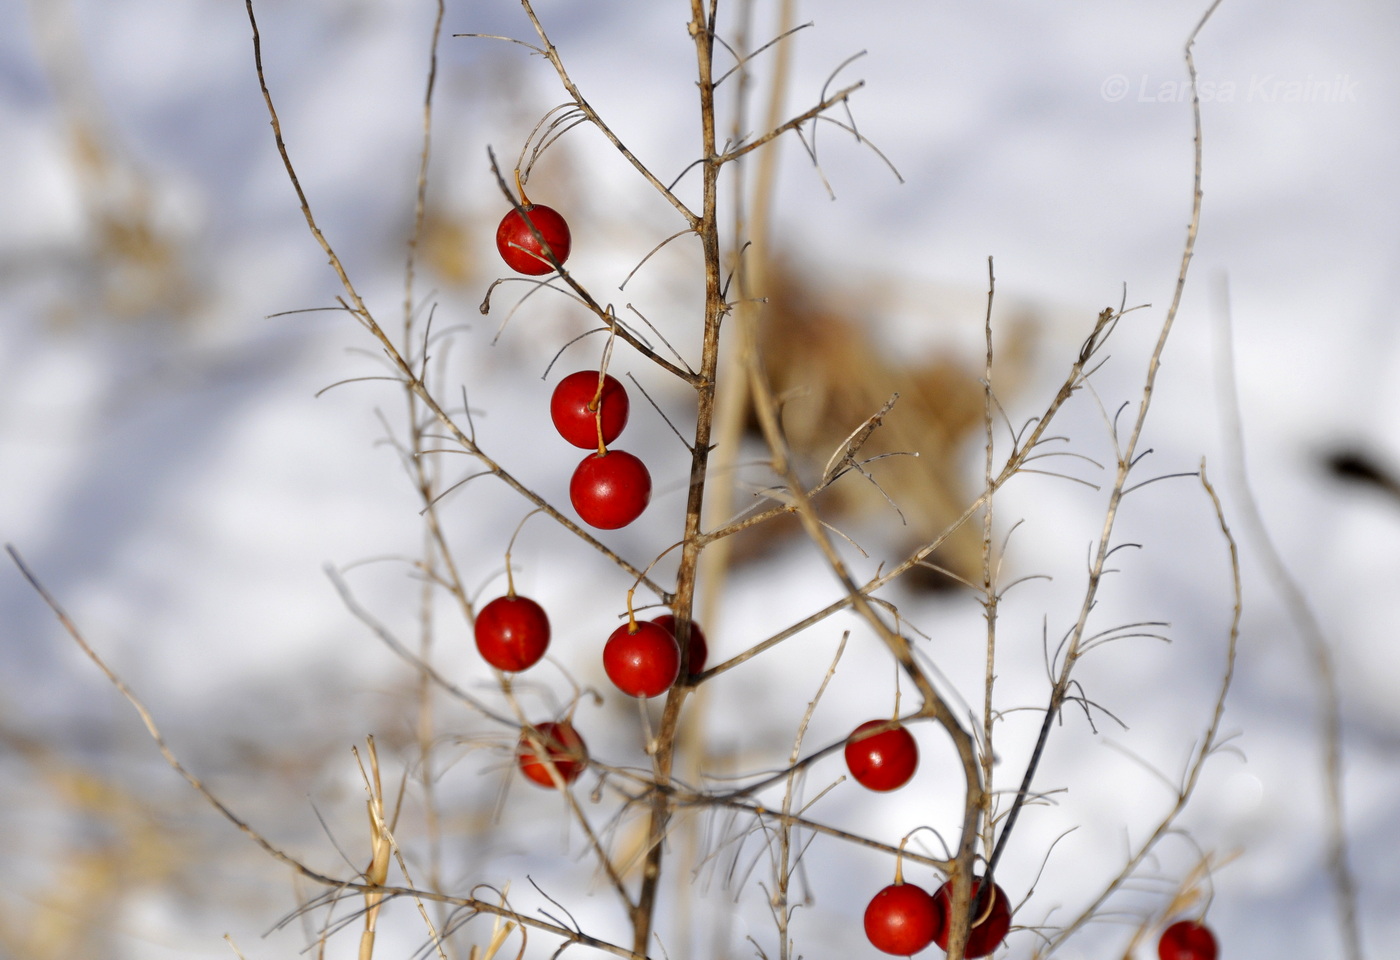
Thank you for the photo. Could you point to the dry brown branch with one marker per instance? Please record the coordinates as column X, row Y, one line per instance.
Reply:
column 841, row 96
column 782, row 875
column 579, row 292
column 1024, row 449
column 650, row 794
column 1209, row 744
column 149, row 722
column 552, row 54
column 990, row 591
column 376, row 893
column 707, row 226
column 932, row 703
column 396, row 359
column 1126, row 458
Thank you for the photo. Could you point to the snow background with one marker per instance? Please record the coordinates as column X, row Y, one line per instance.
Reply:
column 173, row 478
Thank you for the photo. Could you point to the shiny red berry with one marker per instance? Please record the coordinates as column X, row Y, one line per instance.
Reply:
column 577, row 418
column 610, row 490
column 1187, row 940
column 699, row 649
column 564, row 752
column 987, row 935
column 642, row 661
column 512, row 633
column 521, row 250
column 881, row 761
column 903, row 919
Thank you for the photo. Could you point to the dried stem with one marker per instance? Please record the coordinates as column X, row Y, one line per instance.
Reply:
column 435, row 547
column 707, row 226
column 660, row 792
column 410, row 377
column 380, row 892
column 1210, row 742
column 932, row 703
column 990, row 597
column 782, row 911
column 1127, row 457
column 552, row 55
column 150, row 724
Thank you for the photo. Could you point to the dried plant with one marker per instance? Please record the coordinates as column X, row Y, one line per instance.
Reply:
column 840, row 425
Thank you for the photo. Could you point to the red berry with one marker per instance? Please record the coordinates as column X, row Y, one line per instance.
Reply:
column 903, row 919
column 512, row 633
column 1187, row 940
column 610, row 490
column 564, row 752
column 987, row 935
column 699, row 649
column 518, row 246
column 881, row 761
column 574, row 416
column 642, row 662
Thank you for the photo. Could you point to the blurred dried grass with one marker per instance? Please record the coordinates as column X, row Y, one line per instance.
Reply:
column 131, row 263
column 115, row 847
column 821, row 350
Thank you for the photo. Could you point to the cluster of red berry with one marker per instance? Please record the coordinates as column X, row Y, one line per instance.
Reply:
column 642, row 659
column 903, row 918
column 635, row 665
column 609, row 489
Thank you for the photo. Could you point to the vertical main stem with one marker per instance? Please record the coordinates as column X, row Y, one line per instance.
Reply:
column 701, row 31
column 990, row 590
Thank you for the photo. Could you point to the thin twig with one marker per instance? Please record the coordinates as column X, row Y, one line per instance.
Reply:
column 1209, row 743
column 1126, row 458
column 392, row 352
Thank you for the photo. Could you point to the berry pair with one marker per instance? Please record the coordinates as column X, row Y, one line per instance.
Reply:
column 903, row 919
column 609, row 488
column 643, row 659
